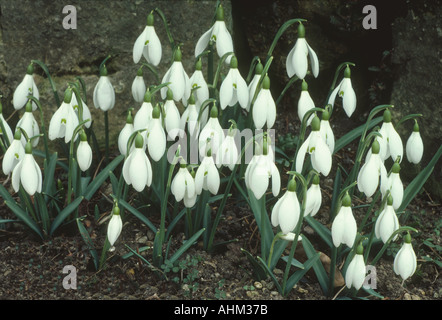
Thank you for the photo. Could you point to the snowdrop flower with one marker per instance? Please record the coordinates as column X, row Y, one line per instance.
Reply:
column 86, row 112
column 285, row 213
column 5, row 125
column 219, row 34
column 305, row 103
column 345, row 90
column 371, row 171
column 27, row 86
column 260, row 169
column 254, row 84
column 64, row 120
column 13, row 154
column 28, row 124
column 138, row 86
column 415, row 146
column 148, row 44
column 313, row 198
column 200, row 90
column 233, row 88
column 405, row 262
column 172, row 116
column 114, row 227
column 156, row 137
column 213, row 131
column 144, row 114
column 104, row 93
column 84, row 153
column 264, row 109
column 178, row 78
column 125, row 134
column 227, row 154
column 387, row 222
column 344, row 225
column 297, row 58
column 207, row 175
column 355, row 274
column 27, row 172
column 190, row 118
column 315, row 145
column 390, row 143
column 394, row 185
column 183, row 187
column 137, row 170
column 326, row 131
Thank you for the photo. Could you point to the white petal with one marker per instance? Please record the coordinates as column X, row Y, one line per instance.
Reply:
column 152, row 51
column 139, row 45
column 259, row 111
column 300, row 157
column 300, row 62
column 321, row 157
column 20, row 97
column 203, row 41
column 226, row 90
column 242, row 92
column 313, row 61
column 138, row 171
column 289, row 213
column 138, row 89
column 16, row 174
column 224, row 41
column 395, row 145
column 349, row 98
column 178, row 187
column 305, row 103
column 84, row 155
column 289, row 64
column 114, row 228
column 29, row 175
column 415, row 148
column 156, row 141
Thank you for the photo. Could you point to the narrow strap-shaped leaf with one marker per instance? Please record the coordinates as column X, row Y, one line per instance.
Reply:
column 46, row 71
column 321, row 230
column 320, row 272
column 87, row 239
column 49, row 171
column 65, row 213
column 22, row 215
column 259, row 271
column 271, row 274
column 137, row 214
column 43, row 211
column 297, row 275
column 186, row 245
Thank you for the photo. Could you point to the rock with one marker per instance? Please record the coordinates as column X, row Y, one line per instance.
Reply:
column 258, row 285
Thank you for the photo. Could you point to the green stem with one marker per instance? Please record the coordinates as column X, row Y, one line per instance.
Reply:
column 106, row 137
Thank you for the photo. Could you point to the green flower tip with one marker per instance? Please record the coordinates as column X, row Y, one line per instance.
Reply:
column 147, row 96
column 416, row 126
column 191, row 99
column 396, row 168
column 140, row 72
column 347, row 72
column 375, row 147
column 325, row 115
column 259, row 67
column 316, row 123
column 407, row 238
column 292, row 185
column 346, row 201
column 83, row 136
column 103, row 71
column 387, row 115
column 139, row 141
column 304, row 85
column 28, row 148
column 156, row 112
column 301, row 30
column 234, row 62
column 265, row 145
column 169, row 94
column 214, row 112
column 316, row 179
column 150, row 19
column 17, row 135
column 389, row 200
column 28, row 107
column 30, row 69
column 199, row 65
column 116, row 210
column 220, row 13
column 177, row 56
column 183, row 165
column 266, row 82
column 68, row 96
column 129, row 118
column 360, row 249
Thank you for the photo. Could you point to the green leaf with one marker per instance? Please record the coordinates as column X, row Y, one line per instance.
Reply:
column 297, row 275
column 321, row 230
column 258, row 270
column 65, row 213
column 101, row 177
column 87, row 239
column 186, row 245
column 320, row 272
column 49, row 173
column 43, row 211
column 22, row 215
column 137, row 214
column 271, row 274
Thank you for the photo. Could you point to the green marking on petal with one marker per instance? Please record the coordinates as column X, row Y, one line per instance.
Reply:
column 146, row 43
column 63, row 121
column 234, row 85
column 16, row 156
column 341, row 93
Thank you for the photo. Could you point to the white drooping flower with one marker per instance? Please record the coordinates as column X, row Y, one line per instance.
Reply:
column 178, row 80
column 125, row 134
column 297, row 63
column 315, row 145
column 148, row 44
column 156, row 137
column 200, row 90
column 260, row 169
column 8, row 131
column 13, row 154
column 393, row 184
column 346, row 92
column 28, row 124
column 137, row 170
column 138, row 86
column 344, row 226
column 27, row 173
column 387, row 222
column 212, row 131
column 327, row 132
column 26, row 87
column 64, row 120
column 371, row 172
column 390, row 143
column 313, row 198
column 114, row 227
column 415, row 146
column 86, row 115
column 172, row 116
column 104, row 93
column 207, row 175
column 227, row 154
column 84, row 153
column 405, row 261
column 356, row 270
column 286, row 211
column 233, row 88
column 305, row 103
column 219, row 34
column 189, row 119
column 183, row 187
column 253, row 85
column 144, row 114
column 264, row 108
